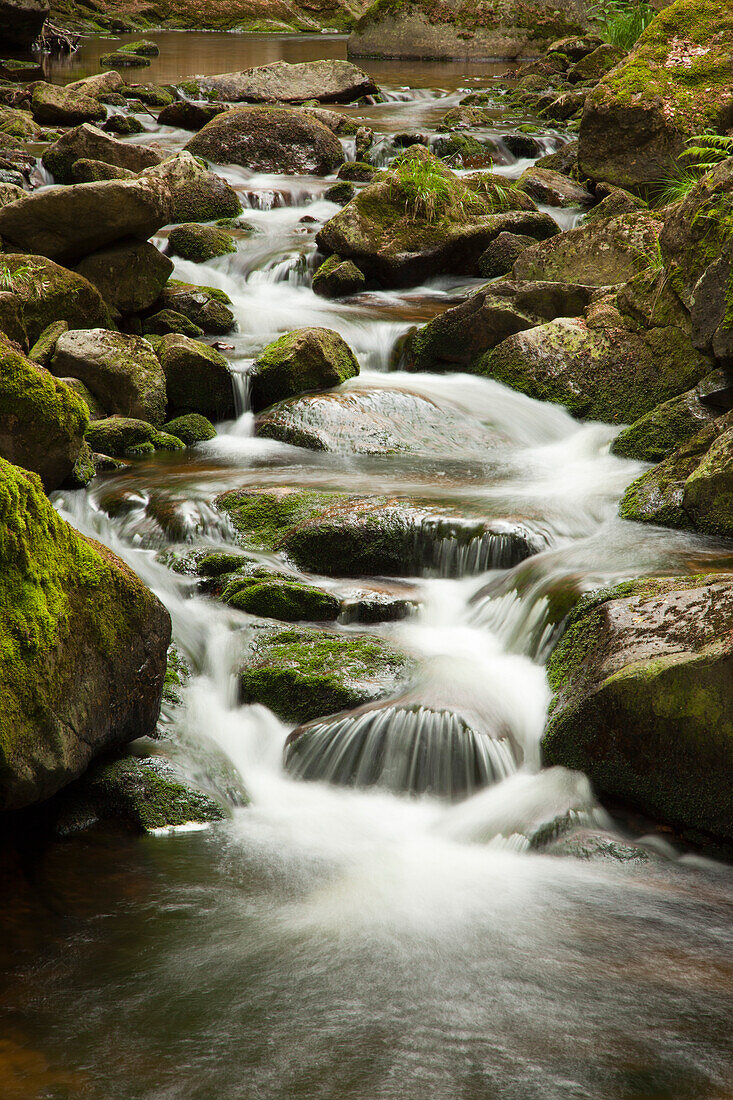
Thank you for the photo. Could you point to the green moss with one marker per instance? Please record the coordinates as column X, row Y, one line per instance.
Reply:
column 286, row 600
column 658, row 433
column 191, row 429
column 299, row 362
column 200, row 243
column 264, row 517
column 144, row 795
column 125, row 437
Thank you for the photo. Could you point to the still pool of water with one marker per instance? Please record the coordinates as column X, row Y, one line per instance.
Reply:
column 328, row 943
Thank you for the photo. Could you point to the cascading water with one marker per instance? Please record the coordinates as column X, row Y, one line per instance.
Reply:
column 339, row 938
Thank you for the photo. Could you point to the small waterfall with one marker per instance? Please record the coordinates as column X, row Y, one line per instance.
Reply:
column 455, row 556
column 241, row 386
column 406, row 748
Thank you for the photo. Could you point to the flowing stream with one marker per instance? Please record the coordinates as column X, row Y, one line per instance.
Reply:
column 332, row 942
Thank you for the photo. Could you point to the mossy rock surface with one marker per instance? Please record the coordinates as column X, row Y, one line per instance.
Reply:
column 281, row 598
column 129, row 275
column 269, row 139
column 126, row 437
column 654, row 436
column 696, row 236
column 120, row 59
column 303, row 674
column 55, row 105
column 197, row 378
column 642, row 698
column 207, row 307
column 300, row 361
column 66, row 295
column 193, row 193
column 82, row 647
column 124, row 125
column 42, row 422
column 200, row 243
column 191, row 428
column 168, row 321
column 337, row 278
column 44, row 347
column 90, row 144
column 675, row 83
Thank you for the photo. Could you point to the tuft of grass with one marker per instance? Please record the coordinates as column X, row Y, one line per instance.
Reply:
column 430, row 195
column 621, row 22
column 704, row 153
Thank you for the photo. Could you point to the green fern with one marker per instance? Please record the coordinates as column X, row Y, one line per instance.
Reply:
column 703, row 154
column 23, row 278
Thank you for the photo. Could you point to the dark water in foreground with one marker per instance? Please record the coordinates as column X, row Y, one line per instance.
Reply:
column 330, row 944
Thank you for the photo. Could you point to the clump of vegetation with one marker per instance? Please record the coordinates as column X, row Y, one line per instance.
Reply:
column 621, row 22
column 704, row 153
column 431, row 194
column 24, row 278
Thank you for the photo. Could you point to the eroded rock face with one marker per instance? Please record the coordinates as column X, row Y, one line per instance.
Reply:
column 301, row 361
column 42, row 422
column 269, row 139
column 643, row 701
column 426, row 29
column 83, row 653
column 674, row 84
column 122, row 372
column 326, row 81
column 21, row 21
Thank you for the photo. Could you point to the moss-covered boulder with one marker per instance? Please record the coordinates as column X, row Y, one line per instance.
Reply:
column 124, row 125
column 269, row 139
column 42, row 350
column 205, row 306
column 200, row 243
column 193, row 193
column 337, row 535
column 553, row 188
column 337, row 278
column 499, row 258
column 601, row 253
column 472, row 30
column 83, row 647
column 18, row 124
column 42, row 422
column 707, row 497
column 97, row 86
column 55, row 105
column 87, row 170
column 191, row 428
column 95, row 409
column 459, row 337
column 11, row 319
column 303, row 674
column 675, row 83
column 712, row 308
column 48, row 292
column 90, row 143
column 185, row 115
column 328, row 81
column 642, row 698
column 281, row 598
column 129, row 275
column 301, row 361
column 422, row 220
column 122, row 372
column 126, row 437
column 197, row 378
column 167, row 321
column 654, row 436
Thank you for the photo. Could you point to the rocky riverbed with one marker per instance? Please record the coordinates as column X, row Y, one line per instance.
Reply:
column 366, row 570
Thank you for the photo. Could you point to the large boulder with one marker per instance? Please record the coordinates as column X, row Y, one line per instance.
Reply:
column 327, row 81
column 197, row 378
column 130, row 275
column 712, row 308
column 301, row 361
column 676, row 83
column 604, row 252
column 128, row 437
column 83, row 647
column 48, row 292
column 421, row 220
column 97, row 86
column 643, row 705
column 122, row 372
column 67, row 223
column 42, row 422
column 55, row 105
column 87, row 142
column 269, row 139
column 21, row 21
column 194, row 194
column 464, row 30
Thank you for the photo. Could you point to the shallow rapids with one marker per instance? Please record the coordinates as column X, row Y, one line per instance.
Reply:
column 341, row 943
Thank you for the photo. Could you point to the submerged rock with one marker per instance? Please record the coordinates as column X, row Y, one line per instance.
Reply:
column 83, row 652
column 301, row 361
column 643, row 702
column 269, row 139
column 301, row 674
column 328, row 81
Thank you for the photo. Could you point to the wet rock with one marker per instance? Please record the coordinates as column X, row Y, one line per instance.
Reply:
column 337, row 278
column 357, row 171
column 128, row 437
column 190, row 429
column 614, row 201
column 42, row 422
column 327, row 81
column 283, row 598
column 340, row 193
column 96, row 411
column 124, row 125
column 499, row 257
column 420, row 29
column 301, row 361
column 21, row 21
column 145, row 795
column 460, row 336
column 168, row 321
column 90, row 143
column 129, row 275
column 64, row 295
column 85, row 170
column 707, row 497
column 194, row 193
column 143, row 47
column 565, row 160
column 121, row 371
column 269, row 139
column 200, row 243
column 301, row 674
column 602, row 253
column 675, row 83
column 152, row 95
column 206, row 306
column 595, row 65
column 197, row 378
column 336, row 535
column 67, row 223
column 83, row 648
column 553, row 188
column 658, row 433
column 55, row 105
column 122, row 60
column 637, row 676
column 190, row 116
column 101, row 84
column 392, row 236
column 18, row 124
column 44, row 347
